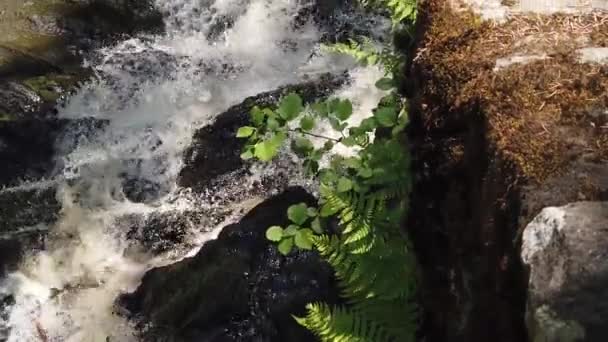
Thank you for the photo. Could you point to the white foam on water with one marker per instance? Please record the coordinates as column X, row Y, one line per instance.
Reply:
column 152, row 94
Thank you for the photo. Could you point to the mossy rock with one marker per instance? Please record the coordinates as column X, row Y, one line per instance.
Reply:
column 52, row 86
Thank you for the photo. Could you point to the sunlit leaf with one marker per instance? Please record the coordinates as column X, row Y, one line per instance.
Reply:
column 291, row 230
column 265, row 150
column 307, row 123
column 290, row 106
column 344, row 109
column 386, row 116
column 245, row 132
column 274, row 233
column 257, row 116
column 316, row 226
column 344, row 184
column 285, row 246
column 303, row 238
column 298, row 213
column 247, row 155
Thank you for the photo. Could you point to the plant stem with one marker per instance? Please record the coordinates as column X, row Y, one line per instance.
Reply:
column 315, row 135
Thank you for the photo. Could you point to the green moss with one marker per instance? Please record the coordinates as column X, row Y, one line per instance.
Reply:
column 50, row 87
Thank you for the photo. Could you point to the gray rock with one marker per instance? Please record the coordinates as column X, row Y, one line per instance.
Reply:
column 566, row 251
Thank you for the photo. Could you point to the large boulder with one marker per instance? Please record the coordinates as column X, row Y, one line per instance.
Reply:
column 506, row 119
column 566, row 251
column 237, row 287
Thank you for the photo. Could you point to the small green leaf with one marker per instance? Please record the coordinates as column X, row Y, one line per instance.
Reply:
column 349, row 141
column 274, row 233
column 302, row 145
column 247, row 155
column 298, row 213
column 344, row 110
column 352, row 163
column 265, row 150
column 303, row 238
column 316, row 226
column 273, row 124
column 344, row 184
column 291, row 230
column 312, row 212
column 257, row 116
column 307, row 123
column 386, row 116
column 316, row 155
column 285, row 246
column 372, row 59
column 245, row 132
column 328, row 146
column 332, row 105
column 368, row 124
column 385, row 83
column 335, row 124
column 290, row 106
column 365, row 172
column 320, row 108
column 328, row 176
column 278, row 139
column 328, row 210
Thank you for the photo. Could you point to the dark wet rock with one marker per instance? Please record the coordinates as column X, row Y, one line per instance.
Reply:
column 27, row 206
column 25, row 214
column 27, row 146
column 216, row 151
column 6, row 301
column 237, row 288
column 160, row 231
column 27, row 149
column 140, row 190
column 17, row 98
column 566, row 252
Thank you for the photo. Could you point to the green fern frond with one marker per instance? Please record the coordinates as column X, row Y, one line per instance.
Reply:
column 400, row 10
column 379, row 284
column 342, row 325
column 365, row 52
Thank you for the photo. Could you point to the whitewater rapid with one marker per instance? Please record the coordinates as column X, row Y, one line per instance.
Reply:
column 152, row 93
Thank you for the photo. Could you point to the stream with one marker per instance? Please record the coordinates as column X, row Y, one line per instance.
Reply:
column 152, row 92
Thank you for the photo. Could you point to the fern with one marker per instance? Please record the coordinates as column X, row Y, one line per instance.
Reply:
column 341, row 325
column 367, row 195
column 365, row 52
column 401, row 10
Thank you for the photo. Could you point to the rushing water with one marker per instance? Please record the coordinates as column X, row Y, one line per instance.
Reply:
column 152, row 93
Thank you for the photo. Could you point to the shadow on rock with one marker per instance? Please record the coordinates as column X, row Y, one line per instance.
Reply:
column 237, row 288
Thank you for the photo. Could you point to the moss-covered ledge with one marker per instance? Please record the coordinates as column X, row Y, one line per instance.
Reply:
column 42, row 44
column 507, row 118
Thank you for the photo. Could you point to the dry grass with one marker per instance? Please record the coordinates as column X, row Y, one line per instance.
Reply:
column 540, row 115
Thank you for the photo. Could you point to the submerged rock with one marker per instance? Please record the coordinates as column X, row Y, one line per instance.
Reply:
column 237, row 287
column 566, row 251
